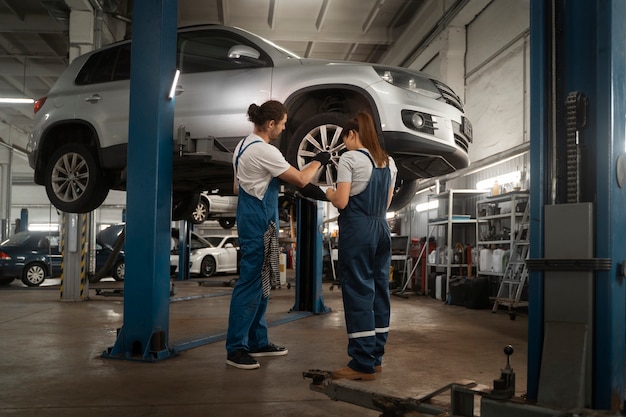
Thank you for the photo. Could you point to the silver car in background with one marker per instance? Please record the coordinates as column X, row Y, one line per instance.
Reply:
column 78, row 146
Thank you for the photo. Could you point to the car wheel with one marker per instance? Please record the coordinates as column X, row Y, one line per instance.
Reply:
column 317, row 134
column 207, row 267
column 6, row 281
column 34, row 274
column 74, row 182
column 403, row 193
column 227, row 222
column 183, row 205
column 119, row 270
column 201, row 212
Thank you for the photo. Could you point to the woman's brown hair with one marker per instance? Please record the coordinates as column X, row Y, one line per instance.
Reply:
column 363, row 124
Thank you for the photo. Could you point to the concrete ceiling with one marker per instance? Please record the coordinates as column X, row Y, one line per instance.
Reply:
column 34, row 34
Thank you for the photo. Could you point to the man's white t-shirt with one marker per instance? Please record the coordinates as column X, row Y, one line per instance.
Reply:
column 356, row 168
column 258, row 165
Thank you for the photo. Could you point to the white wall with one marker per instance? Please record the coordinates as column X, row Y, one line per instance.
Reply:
column 495, row 81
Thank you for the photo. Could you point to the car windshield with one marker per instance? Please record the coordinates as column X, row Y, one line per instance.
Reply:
column 197, row 242
column 214, row 240
column 17, row 239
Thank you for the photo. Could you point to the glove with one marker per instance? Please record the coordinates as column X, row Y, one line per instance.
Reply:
column 322, row 157
column 313, row 191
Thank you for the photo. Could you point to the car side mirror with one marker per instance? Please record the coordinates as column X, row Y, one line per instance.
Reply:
column 244, row 54
column 229, row 245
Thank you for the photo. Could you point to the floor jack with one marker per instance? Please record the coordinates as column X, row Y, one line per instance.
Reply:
column 461, row 402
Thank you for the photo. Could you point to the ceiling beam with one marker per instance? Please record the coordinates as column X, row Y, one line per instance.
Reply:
column 321, row 16
column 13, row 9
column 32, row 23
column 334, row 35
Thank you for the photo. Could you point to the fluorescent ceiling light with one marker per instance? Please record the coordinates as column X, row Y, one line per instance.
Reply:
column 433, row 204
column 511, row 177
column 15, row 100
column 46, row 227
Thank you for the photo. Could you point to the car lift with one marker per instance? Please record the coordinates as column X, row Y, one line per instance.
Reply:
column 144, row 335
column 577, row 297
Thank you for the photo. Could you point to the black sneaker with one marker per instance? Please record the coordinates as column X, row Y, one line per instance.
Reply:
column 242, row 360
column 269, row 350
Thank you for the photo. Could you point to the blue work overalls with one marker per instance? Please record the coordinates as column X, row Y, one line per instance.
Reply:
column 247, row 328
column 363, row 264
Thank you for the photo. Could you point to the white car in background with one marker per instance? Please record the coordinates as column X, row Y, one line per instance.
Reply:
column 216, row 207
column 205, row 259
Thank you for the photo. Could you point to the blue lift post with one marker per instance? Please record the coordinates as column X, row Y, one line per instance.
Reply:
column 309, row 257
column 144, row 335
column 578, row 46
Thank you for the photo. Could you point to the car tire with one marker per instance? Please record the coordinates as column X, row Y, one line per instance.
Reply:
column 207, row 266
column 119, row 270
column 6, row 281
column 403, row 193
column 227, row 222
column 201, row 212
column 74, row 181
column 183, row 205
column 316, row 134
column 34, row 274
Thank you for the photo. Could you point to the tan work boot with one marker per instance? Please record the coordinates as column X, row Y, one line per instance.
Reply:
column 351, row 374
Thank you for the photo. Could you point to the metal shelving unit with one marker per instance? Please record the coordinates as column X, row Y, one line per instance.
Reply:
column 455, row 226
column 498, row 222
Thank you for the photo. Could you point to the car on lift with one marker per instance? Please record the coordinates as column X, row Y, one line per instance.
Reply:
column 222, row 208
column 34, row 256
column 205, row 258
column 78, row 145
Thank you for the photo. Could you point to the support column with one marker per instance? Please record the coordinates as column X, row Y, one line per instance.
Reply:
column 74, row 248
column 578, row 50
column 144, row 335
column 309, row 257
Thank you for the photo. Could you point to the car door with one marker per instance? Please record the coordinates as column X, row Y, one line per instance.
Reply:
column 48, row 248
column 214, row 91
column 231, row 247
column 104, row 96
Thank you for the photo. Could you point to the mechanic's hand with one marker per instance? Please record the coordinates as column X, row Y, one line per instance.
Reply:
column 322, row 157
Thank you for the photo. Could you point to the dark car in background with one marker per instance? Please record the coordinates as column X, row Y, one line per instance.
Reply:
column 34, row 256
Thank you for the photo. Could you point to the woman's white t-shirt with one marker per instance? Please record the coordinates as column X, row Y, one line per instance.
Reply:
column 258, row 165
column 356, row 168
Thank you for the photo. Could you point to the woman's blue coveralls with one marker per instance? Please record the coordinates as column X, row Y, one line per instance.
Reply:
column 363, row 264
column 247, row 328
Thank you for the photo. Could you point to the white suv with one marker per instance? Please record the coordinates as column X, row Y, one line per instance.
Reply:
column 78, row 146
column 216, row 207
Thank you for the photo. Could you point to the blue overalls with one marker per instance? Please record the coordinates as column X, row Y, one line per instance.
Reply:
column 247, row 328
column 363, row 265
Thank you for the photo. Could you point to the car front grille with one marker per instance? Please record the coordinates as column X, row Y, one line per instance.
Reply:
column 448, row 95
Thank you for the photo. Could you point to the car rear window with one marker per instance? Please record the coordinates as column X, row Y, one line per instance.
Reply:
column 111, row 64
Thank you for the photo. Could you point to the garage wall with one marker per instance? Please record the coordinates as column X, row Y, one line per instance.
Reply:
column 496, row 91
column 497, row 77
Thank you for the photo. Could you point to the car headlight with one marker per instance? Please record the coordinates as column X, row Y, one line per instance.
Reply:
column 409, row 81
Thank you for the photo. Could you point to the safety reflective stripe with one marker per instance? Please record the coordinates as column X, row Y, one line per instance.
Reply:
column 356, row 335
column 368, row 333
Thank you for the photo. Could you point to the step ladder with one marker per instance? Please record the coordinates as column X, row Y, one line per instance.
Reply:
column 516, row 271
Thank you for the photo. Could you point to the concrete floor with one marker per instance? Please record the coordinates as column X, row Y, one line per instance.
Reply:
column 52, row 364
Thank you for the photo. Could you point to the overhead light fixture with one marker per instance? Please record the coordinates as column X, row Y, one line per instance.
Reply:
column 431, row 205
column 510, row 178
column 16, row 100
